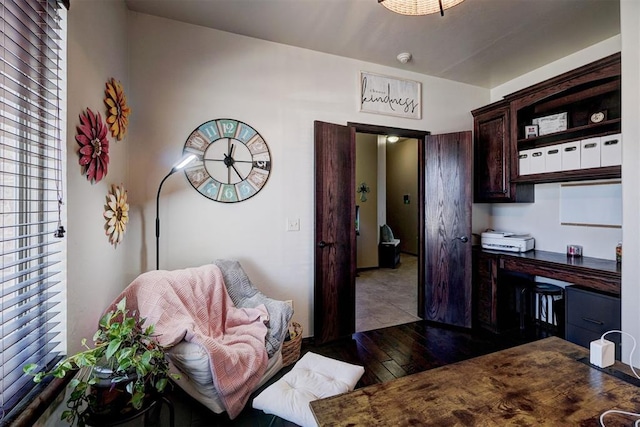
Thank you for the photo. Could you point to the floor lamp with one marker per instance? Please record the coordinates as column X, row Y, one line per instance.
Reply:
column 184, row 162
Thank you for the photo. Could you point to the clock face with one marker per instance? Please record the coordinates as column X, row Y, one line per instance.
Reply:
column 233, row 161
column 597, row 117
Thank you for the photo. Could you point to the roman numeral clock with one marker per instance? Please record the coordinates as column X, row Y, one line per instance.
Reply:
column 233, row 161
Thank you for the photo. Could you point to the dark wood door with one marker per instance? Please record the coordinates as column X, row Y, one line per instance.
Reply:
column 335, row 233
column 448, row 229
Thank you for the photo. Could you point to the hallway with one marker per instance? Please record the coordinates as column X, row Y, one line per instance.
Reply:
column 387, row 297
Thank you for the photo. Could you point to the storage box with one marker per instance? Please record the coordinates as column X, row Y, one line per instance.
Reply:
column 590, row 153
column 524, row 162
column 537, row 162
column 553, row 158
column 571, row 155
column 611, row 150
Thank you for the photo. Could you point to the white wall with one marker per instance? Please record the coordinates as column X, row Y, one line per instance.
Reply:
column 630, row 24
column 97, row 51
column 183, row 75
column 542, row 218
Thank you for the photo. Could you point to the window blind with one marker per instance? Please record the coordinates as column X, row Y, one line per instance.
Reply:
column 31, row 156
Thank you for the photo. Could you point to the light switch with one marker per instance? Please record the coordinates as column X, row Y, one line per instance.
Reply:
column 293, row 224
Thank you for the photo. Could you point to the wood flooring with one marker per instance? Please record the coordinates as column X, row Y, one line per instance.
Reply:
column 386, row 354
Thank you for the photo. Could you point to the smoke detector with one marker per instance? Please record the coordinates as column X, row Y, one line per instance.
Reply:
column 404, row 57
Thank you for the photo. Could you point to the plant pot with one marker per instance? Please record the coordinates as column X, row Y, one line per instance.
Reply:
column 109, row 396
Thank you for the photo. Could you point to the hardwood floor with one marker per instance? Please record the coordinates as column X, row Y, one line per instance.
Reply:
column 386, row 354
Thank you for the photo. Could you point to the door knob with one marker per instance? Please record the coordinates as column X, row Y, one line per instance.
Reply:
column 323, row 244
column 463, row 239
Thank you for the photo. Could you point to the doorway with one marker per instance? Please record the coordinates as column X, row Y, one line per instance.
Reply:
column 386, row 181
column 444, row 255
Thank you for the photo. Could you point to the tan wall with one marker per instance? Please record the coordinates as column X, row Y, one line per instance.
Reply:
column 367, row 172
column 402, row 179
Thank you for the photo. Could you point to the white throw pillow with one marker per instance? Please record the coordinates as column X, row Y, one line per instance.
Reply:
column 313, row 377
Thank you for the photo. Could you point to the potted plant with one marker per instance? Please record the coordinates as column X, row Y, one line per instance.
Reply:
column 126, row 360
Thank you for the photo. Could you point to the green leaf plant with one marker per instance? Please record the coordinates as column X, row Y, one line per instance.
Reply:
column 126, row 349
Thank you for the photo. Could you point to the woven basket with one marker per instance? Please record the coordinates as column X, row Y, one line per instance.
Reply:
column 291, row 348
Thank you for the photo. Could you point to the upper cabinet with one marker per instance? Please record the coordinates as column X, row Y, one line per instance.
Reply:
column 492, row 151
column 563, row 129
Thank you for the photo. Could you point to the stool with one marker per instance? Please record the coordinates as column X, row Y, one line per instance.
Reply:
column 545, row 294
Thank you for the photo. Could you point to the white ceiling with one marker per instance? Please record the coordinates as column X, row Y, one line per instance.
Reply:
column 480, row 42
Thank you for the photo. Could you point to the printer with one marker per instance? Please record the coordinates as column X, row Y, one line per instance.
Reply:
column 506, row 241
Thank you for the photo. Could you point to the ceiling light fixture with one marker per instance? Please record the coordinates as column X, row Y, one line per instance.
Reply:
column 392, row 138
column 419, row 7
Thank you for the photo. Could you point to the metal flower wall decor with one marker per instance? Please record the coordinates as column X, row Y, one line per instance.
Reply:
column 94, row 146
column 363, row 189
column 116, row 213
column 117, row 109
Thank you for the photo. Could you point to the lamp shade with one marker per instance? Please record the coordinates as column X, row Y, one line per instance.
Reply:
column 418, row 7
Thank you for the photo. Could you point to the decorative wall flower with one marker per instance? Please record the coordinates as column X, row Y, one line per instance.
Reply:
column 94, row 146
column 117, row 109
column 116, row 212
column 363, row 189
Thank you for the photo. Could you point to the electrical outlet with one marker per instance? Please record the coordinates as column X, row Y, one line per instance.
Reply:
column 293, row 224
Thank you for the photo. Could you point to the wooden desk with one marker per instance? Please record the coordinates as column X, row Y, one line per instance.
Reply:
column 595, row 273
column 490, row 274
column 535, row 384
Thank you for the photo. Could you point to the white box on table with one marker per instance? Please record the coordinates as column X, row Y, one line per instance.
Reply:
column 537, row 163
column 553, row 158
column 524, row 162
column 590, row 153
column 571, row 155
column 611, row 150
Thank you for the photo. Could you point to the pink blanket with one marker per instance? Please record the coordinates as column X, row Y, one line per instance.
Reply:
column 193, row 304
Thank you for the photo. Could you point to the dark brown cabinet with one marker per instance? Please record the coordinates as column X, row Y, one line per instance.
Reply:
column 590, row 314
column 579, row 94
column 500, row 139
column 492, row 153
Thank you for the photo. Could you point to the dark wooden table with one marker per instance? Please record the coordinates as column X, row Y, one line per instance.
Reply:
column 536, row 384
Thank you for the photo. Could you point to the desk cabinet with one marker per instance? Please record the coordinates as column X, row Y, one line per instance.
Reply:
column 485, row 287
column 589, row 315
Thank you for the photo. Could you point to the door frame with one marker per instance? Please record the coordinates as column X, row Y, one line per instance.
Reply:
column 420, row 135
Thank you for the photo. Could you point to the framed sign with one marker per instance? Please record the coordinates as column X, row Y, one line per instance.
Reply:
column 390, row 96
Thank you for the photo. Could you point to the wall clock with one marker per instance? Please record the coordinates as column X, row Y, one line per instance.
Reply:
column 233, row 160
column 598, row 117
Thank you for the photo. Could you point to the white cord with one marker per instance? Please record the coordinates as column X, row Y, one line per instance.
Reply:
column 632, row 348
column 616, row 411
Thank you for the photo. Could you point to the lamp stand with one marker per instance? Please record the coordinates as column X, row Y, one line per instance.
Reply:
column 158, row 218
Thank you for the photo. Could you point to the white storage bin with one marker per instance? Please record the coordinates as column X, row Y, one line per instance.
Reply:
column 590, row 153
column 571, row 155
column 553, row 158
column 524, row 162
column 611, row 150
column 537, row 162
